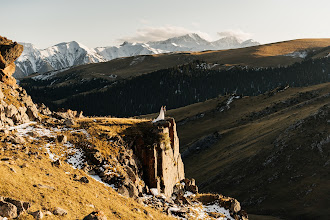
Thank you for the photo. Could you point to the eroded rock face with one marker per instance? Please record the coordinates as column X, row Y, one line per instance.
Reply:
column 9, row 52
column 162, row 164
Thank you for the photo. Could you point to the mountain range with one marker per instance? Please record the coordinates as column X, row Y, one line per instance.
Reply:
column 72, row 53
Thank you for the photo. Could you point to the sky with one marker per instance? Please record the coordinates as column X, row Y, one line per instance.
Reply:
column 106, row 22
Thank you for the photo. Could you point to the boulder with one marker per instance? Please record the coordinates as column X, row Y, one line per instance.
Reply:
column 21, row 206
column 83, row 180
column 62, row 138
column 8, row 210
column 96, row 215
column 59, row 211
column 37, row 214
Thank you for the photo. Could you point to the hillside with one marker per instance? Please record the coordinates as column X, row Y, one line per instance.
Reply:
column 63, row 165
column 268, row 55
column 176, row 86
column 270, row 151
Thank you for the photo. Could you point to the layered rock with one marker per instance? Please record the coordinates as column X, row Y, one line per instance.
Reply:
column 162, row 163
column 9, row 52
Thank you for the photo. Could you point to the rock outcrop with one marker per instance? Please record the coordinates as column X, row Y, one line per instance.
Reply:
column 9, row 52
column 16, row 107
column 161, row 163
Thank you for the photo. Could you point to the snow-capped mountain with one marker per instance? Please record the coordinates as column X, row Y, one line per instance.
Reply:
column 55, row 57
column 126, row 50
column 69, row 54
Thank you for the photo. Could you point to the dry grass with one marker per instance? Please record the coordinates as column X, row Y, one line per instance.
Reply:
column 79, row 199
column 243, row 138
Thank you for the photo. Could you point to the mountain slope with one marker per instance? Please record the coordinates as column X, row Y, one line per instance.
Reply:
column 72, row 53
column 90, row 89
column 271, row 151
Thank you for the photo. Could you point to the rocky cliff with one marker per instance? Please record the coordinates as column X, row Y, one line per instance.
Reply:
column 162, row 162
column 9, row 52
column 64, row 165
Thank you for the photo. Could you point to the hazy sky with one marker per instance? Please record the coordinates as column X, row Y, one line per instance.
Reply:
column 106, row 22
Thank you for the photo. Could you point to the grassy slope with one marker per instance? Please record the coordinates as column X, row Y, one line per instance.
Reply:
column 79, row 199
column 245, row 139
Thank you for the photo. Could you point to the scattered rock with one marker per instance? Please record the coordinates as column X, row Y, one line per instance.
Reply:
column 59, row 211
column 69, row 122
column 41, row 186
column 84, row 180
column 62, row 139
column 48, row 213
column 8, row 210
column 56, row 163
column 37, row 214
column 96, row 215
column 21, row 206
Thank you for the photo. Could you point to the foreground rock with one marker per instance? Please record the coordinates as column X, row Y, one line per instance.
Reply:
column 9, row 52
column 12, row 208
column 97, row 215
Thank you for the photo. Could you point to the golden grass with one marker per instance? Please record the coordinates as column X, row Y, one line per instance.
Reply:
column 79, row 199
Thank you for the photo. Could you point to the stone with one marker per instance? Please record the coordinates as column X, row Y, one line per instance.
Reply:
column 48, row 213
column 56, row 163
column 9, row 52
column 33, row 112
column 235, row 206
column 84, row 180
column 96, row 215
column 69, row 122
column 21, row 206
column 10, row 110
column 41, row 186
column 59, row 211
column 37, row 214
column 122, row 190
column 8, row 210
column 62, row 138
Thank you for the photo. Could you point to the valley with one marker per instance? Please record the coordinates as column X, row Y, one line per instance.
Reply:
column 262, row 150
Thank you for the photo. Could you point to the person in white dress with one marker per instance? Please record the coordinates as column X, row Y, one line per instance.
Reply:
column 161, row 115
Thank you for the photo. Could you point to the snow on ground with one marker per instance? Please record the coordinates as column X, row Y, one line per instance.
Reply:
column 75, row 155
column 201, row 212
column 297, row 54
column 48, row 75
column 21, row 127
column 77, row 158
column 216, row 208
column 98, row 179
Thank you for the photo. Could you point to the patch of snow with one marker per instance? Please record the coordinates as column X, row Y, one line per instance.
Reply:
column 154, row 191
column 22, row 126
column 187, row 193
column 98, row 179
column 48, row 75
column 83, row 131
column 77, row 159
column 216, row 208
column 52, row 156
column 297, row 54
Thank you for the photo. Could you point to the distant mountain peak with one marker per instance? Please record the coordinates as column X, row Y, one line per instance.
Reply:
column 67, row 54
